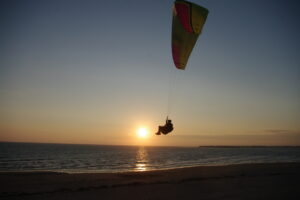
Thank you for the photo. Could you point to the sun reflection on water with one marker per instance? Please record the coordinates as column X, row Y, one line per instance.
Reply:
column 140, row 167
column 141, row 159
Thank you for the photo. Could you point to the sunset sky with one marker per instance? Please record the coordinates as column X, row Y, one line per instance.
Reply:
column 94, row 72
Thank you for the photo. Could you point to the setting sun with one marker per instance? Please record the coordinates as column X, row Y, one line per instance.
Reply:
column 142, row 132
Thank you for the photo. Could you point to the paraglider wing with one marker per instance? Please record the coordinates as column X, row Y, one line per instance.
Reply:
column 188, row 21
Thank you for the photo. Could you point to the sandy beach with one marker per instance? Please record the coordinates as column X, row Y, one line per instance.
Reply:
column 244, row 181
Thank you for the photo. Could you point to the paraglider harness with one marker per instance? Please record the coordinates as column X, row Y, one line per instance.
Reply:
column 167, row 128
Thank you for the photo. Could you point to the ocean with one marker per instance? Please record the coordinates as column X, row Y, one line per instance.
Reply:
column 73, row 158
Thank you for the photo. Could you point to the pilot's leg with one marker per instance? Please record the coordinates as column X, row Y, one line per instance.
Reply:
column 159, row 130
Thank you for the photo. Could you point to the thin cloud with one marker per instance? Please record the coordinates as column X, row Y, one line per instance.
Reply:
column 282, row 132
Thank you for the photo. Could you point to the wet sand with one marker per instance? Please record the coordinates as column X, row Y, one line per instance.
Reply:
column 244, row 181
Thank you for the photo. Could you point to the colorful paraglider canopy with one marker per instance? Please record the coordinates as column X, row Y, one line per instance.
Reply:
column 188, row 21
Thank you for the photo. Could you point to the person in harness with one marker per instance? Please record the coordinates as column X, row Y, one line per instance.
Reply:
column 167, row 128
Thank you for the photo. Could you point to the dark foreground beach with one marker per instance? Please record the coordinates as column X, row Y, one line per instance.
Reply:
column 244, row 181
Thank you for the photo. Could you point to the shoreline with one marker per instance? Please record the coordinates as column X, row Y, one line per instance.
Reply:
column 75, row 171
column 274, row 180
column 67, row 171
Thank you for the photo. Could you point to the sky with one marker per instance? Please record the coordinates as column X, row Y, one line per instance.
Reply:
column 93, row 72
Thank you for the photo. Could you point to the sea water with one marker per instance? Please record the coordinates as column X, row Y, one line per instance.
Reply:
column 98, row 158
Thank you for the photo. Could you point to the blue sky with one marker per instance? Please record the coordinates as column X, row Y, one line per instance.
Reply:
column 94, row 71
